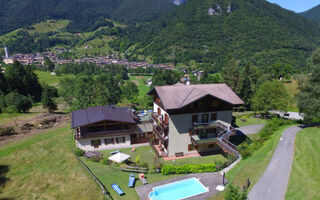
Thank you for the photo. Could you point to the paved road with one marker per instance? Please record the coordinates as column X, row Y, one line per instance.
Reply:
column 251, row 129
column 273, row 183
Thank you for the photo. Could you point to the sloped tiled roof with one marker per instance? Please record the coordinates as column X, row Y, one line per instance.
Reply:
column 179, row 95
column 101, row 113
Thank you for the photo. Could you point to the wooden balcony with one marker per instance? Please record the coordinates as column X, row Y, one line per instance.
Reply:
column 160, row 134
column 105, row 134
column 158, row 120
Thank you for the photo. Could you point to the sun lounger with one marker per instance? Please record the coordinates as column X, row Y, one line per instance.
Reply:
column 117, row 189
column 132, row 179
column 114, row 152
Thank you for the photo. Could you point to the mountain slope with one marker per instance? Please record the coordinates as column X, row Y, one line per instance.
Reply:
column 255, row 31
column 312, row 14
column 18, row 13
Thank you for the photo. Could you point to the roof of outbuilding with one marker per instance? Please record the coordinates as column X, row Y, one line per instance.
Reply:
column 101, row 113
column 179, row 95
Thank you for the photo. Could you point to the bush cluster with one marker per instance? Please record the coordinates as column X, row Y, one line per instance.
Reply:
column 188, row 168
column 79, row 152
column 248, row 147
column 7, row 131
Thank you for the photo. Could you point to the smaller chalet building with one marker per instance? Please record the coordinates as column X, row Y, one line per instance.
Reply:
column 108, row 127
column 190, row 119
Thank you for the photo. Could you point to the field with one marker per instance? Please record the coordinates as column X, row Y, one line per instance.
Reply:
column 249, row 121
column 46, row 77
column 140, row 81
column 109, row 175
column 292, row 90
column 305, row 173
column 5, row 117
column 254, row 166
column 43, row 167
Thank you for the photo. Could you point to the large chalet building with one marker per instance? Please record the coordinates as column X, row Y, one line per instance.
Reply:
column 108, row 127
column 193, row 118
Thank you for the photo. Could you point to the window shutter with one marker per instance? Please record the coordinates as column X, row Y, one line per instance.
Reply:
column 112, row 140
column 117, row 140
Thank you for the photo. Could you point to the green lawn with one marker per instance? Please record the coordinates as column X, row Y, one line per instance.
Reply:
column 140, row 81
column 109, row 175
column 46, row 77
column 304, row 180
column 254, row 166
column 292, row 90
column 249, row 121
column 43, row 167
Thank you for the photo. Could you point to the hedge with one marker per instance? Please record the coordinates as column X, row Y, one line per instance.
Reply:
column 188, row 168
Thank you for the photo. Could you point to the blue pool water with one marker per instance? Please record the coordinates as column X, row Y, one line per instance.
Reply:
column 178, row 190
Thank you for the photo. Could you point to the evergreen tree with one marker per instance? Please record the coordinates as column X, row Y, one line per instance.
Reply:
column 47, row 99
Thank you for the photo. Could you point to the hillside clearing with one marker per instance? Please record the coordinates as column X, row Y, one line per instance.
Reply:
column 43, row 167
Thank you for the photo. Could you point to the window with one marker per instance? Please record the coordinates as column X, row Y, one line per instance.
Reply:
column 95, row 143
column 191, row 147
column 109, row 141
column 213, row 116
column 142, row 135
column 210, row 146
column 194, row 118
column 120, row 140
column 215, row 104
column 205, row 118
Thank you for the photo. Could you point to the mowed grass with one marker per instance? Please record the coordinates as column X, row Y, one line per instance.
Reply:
column 140, row 81
column 43, row 167
column 304, row 180
column 253, row 167
column 292, row 90
column 46, row 77
column 109, row 175
column 249, row 121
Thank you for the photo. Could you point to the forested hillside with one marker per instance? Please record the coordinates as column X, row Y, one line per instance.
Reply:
column 83, row 13
column 312, row 14
column 206, row 31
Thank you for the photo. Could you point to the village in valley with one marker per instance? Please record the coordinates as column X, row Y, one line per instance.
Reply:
column 157, row 109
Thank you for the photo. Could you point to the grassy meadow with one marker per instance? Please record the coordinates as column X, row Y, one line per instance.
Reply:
column 305, row 173
column 46, row 77
column 292, row 90
column 254, row 166
column 140, row 81
column 43, row 167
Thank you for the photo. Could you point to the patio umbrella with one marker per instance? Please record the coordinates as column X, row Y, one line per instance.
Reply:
column 119, row 157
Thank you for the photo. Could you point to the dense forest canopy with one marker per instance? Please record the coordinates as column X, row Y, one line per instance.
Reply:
column 83, row 13
column 312, row 14
column 255, row 32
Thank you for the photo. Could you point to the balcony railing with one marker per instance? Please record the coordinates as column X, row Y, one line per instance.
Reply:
column 161, row 135
column 104, row 133
column 158, row 120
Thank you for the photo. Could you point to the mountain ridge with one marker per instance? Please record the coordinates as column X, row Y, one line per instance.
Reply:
column 312, row 14
column 256, row 31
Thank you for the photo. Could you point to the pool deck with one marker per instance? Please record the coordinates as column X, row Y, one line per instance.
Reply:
column 211, row 180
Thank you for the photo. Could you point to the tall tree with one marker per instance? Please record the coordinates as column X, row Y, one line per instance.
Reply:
column 231, row 73
column 271, row 95
column 309, row 96
column 129, row 90
column 166, row 77
column 48, row 64
column 47, row 98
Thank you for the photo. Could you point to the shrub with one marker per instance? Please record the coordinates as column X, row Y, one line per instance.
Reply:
column 234, row 193
column 188, row 168
column 79, row 152
column 138, row 159
column 105, row 161
column 96, row 158
column 7, row 131
column 145, row 165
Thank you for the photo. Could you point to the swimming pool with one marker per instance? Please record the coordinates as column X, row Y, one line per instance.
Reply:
column 178, row 190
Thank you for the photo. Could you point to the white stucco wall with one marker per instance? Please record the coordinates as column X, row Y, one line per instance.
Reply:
column 85, row 144
column 179, row 126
